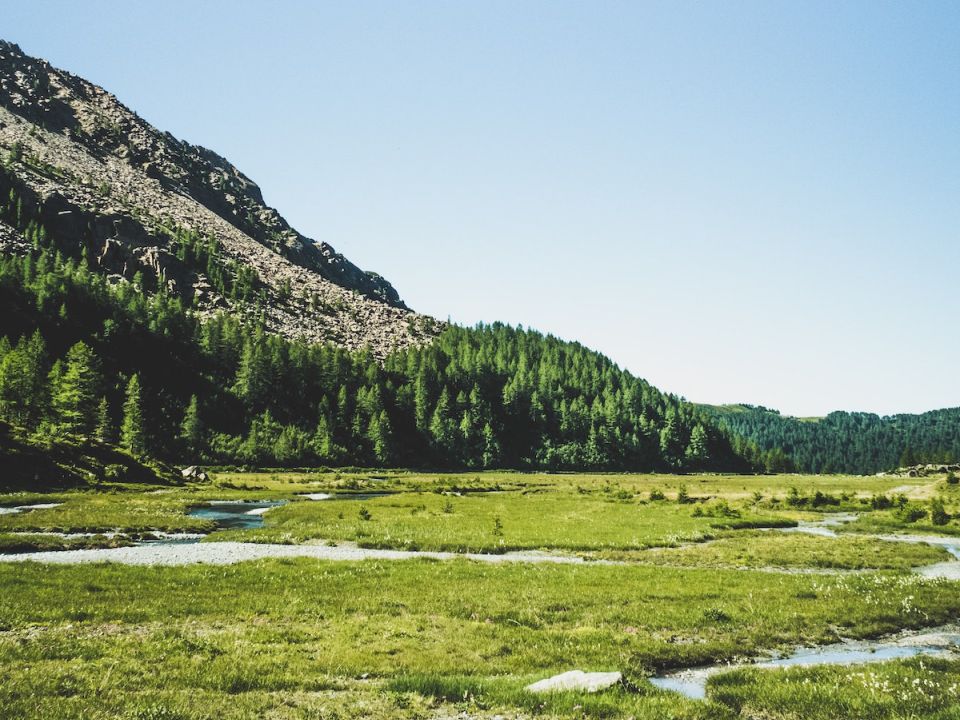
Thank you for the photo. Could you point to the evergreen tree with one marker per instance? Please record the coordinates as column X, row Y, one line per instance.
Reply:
column 23, row 382
column 697, row 452
column 491, row 396
column 421, row 404
column 443, row 428
column 491, row 448
column 75, row 392
column 132, row 435
column 378, row 432
column 671, row 440
column 104, row 428
column 191, row 428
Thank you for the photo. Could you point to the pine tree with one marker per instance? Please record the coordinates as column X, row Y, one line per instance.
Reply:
column 378, row 433
column 75, row 394
column 421, row 404
column 323, row 445
column 697, row 453
column 253, row 383
column 443, row 428
column 491, row 448
column 23, row 383
column 191, row 429
column 671, row 441
column 132, row 435
column 104, row 429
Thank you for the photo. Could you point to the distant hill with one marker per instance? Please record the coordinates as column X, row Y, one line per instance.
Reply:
column 848, row 442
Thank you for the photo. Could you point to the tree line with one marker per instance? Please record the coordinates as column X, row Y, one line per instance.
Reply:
column 81, row 356
column 847, row 442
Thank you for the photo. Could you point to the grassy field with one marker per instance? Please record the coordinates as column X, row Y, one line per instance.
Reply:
column 497, row 522
column 312, row 639
column 916, row 688
column 298, row 626
column 797, row 551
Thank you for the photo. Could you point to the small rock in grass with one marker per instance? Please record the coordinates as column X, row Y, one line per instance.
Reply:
column 576, row 680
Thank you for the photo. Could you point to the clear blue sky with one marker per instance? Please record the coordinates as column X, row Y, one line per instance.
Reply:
column 739, row 201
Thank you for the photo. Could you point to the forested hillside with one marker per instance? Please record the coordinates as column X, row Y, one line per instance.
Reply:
column 846, row 441
column 81, row 356
column 99, row 177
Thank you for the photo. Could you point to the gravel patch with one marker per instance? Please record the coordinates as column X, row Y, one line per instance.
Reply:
column 225, row 553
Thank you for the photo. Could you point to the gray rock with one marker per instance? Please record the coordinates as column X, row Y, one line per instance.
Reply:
column 576, row 680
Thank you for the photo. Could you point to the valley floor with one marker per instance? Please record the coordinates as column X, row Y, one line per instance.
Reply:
column 398, row 612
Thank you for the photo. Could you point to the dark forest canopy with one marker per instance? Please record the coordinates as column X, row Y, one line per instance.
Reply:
column 123, row 362
column 80, row 356
column 848, row 442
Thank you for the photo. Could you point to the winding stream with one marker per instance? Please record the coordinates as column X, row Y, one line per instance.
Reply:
column 692, row 682
column 235, row 514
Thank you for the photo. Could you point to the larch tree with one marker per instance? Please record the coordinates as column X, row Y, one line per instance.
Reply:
column 75, row 393
column 191, row 429
column 132, row 434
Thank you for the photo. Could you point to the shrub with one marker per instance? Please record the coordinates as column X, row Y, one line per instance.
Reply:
column 683, row 497
column 656, row 495
column 718, row 509
column 911, row 513
column 715, row 615
column 938, row 514
column 795, row 499
column 364, row 513
column 114, row 473
column 952, row 478
column 820, row 499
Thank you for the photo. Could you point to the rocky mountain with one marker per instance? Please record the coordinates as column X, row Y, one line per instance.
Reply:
column 147, row 207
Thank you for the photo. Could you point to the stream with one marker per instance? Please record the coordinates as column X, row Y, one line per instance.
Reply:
column 25, row 508
column 692, row 682
column 174, row 549
column 235, row 514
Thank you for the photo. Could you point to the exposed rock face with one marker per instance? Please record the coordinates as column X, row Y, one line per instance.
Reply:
column 95, row 174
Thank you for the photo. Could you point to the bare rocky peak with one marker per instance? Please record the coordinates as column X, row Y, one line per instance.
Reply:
column 96, row 174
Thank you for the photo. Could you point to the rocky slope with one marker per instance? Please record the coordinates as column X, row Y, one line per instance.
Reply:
column 99, row 178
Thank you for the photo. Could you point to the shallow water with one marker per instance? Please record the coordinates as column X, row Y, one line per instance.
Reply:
column 236, row 514
column 340, row 495
column 24, row 508
column 692, row 682
column 823, row 526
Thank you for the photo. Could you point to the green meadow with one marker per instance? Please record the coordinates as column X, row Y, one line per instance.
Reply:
column 678, row 572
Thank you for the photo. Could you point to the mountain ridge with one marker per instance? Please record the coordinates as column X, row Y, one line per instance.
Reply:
column 86, row 166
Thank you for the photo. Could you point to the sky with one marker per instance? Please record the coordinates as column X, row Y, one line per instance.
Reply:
column 740, row 201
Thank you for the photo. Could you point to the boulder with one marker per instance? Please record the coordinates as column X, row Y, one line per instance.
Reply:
column 194, row 473
column 576, row 680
